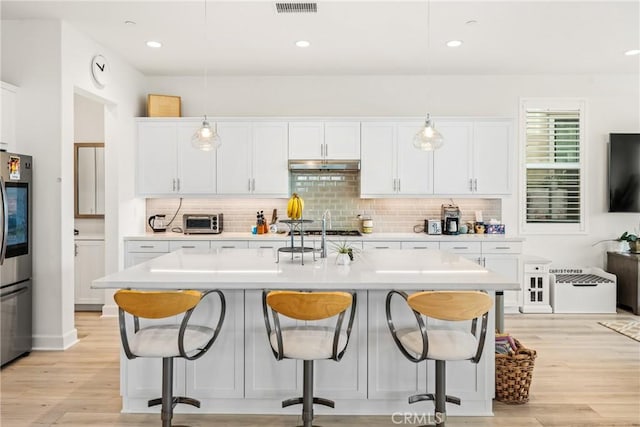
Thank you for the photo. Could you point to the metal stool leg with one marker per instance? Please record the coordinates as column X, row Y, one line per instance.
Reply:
column 307, row 394
column 440, row 414
column 167, row 391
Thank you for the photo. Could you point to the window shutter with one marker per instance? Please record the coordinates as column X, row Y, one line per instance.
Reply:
column 553, row 166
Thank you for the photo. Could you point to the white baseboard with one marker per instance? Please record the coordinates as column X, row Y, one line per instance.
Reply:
column 55, row 342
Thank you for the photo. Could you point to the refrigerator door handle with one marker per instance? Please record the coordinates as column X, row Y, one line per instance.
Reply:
column 4, row 225
column 14, row 293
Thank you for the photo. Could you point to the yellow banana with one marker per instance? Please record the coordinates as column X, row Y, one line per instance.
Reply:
column 295, row 205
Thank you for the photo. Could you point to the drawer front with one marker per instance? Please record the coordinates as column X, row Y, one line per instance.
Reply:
column 501, row 247
column 461, row 247
column 269, row 244
column 229, row 244
column 186, row 244
column 420, row 245
column 147, row 246
column 380, row 245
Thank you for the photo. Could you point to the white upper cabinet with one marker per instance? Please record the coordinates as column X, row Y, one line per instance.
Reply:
column 8, row 116
column 252, row 159
column 335, row 140
column 168, row 164
column 390, row 165
column 474, row 158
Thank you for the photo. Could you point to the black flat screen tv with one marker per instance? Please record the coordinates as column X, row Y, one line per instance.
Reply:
column 624, row 172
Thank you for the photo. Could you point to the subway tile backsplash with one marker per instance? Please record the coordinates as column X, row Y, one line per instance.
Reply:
column 339, row 192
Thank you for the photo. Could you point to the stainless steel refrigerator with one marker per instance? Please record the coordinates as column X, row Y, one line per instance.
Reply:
column 15, row 255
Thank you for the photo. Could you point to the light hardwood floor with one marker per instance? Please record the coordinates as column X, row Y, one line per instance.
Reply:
column 585, row 375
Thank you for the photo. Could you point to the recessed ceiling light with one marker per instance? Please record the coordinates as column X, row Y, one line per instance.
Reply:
column 154, row 44
column 303, row 43
column 454, row 43
column 130, row 22
column 632, row 52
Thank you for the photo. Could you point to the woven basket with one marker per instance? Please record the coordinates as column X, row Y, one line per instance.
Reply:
column 513, row 375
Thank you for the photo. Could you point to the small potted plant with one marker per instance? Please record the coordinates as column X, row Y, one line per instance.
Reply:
column 345, row 253
column 632, row 240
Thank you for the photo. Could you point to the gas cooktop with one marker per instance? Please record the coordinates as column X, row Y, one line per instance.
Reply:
column 329, row 233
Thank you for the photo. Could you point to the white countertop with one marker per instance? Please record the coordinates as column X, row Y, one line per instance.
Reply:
column 230, row 235
column 257, row 269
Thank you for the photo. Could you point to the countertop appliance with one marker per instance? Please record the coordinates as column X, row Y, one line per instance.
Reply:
column 15, row 255
column 158, row 223
column 450, row 219
column 202, row 223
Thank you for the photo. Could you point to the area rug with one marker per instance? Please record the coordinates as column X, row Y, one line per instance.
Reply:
column 630, row 329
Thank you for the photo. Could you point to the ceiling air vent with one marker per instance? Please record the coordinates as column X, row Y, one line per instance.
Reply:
column 296, row 7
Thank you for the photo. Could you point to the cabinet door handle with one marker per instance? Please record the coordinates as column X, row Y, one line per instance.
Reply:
column 75, row 249
column 249, row 184
column 470, row 184
column 399, row 182
column 475, row 184
column 178, row 184
column 188, row 247
column 174, row 184
column 461, row 247
column 382, row 247
column 147, row 246
column 419, row 247
column 395, row 184
column 321, row 150
column 326, row 150
column 502, row 247
column 227, row 247
column 253, row 184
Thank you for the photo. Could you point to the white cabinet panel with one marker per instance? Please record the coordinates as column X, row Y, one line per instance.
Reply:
column 252, row 159
column 157, row 166
column 8, row 116
column 88, row 266
column 390, row 165
column 475, row 157
column 168, row 164
column 347, row 378
column 324, row 140
column 224, row 362
column 452, row 164
column 266, row 377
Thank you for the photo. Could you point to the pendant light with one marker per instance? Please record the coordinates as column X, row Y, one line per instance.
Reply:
column 428, row 138
column 206, row 138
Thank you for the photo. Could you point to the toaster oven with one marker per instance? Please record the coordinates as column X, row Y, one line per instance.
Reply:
column 202, row 223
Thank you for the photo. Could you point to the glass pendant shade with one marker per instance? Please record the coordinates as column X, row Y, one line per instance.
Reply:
column 206, row 138
column 428, row 138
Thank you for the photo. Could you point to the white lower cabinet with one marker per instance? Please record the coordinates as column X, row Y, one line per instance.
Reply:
column 138, row 251
column 216, row 375
column 88, row 266
column 266, row 377
column 390, row 375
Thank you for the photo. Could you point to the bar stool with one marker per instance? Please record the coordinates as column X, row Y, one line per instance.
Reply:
column 441, row 342
column 308, row 341
column 167, row 339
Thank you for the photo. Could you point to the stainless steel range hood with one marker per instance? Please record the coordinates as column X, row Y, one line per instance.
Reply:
column 324, row 165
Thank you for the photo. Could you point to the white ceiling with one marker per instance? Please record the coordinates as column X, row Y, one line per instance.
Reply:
column 357, row 37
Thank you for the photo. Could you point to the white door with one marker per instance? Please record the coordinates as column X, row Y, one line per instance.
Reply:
column 157, row 163
column 196, row 168
column 342, row 140
column 306, row 140
column 377, row 168
column 415, row 167
column 88, row 266
column 234, row 158
column 452, row 162
column 270, row 169
column 491, row 149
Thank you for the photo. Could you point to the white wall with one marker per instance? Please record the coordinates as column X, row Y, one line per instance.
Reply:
column 45, row 129
column 613, row 105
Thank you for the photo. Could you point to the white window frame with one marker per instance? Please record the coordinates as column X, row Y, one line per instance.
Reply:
column 552, row 104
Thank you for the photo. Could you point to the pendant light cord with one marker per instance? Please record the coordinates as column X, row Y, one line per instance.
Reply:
column 206, row 66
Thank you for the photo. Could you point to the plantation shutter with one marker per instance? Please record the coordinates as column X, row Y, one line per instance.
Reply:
column 554, row 192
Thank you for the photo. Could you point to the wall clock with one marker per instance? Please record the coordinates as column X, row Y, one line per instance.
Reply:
column 100, row 70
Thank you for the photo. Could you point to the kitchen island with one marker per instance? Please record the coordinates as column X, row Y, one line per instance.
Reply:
column 240, row 374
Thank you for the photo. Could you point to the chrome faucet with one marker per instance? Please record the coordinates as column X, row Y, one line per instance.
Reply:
column 323, row 241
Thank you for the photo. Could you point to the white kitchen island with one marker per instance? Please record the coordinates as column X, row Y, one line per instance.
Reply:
column 240, row 375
